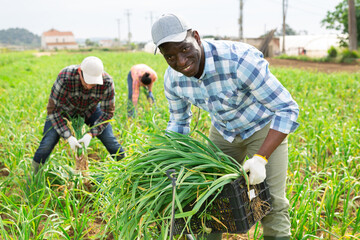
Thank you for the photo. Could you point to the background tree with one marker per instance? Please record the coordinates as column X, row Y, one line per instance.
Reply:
column 338, row 20
column 19, row 37
column 288, row 31
column 90, row 43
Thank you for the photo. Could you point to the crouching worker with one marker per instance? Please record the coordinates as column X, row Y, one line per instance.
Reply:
column 251, row 111
column 80, row 90
column 140, row 75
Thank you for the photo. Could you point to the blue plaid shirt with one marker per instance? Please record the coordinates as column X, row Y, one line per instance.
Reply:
column 236, row 88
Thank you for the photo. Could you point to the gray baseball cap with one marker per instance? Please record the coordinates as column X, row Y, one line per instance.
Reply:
column 168, row 28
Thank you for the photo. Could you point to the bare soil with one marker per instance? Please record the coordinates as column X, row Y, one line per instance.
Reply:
column 314, row 66
column 40, row 54
column 3, row 170
column 82, row 163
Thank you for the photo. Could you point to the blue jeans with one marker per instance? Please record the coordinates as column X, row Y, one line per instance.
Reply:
column 130, row 83
column 51, row 138
column 130, row 106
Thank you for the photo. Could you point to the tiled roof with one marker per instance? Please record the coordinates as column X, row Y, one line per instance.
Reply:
column 54, row 32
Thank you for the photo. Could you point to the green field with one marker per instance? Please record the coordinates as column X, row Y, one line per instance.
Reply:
column 324, row 152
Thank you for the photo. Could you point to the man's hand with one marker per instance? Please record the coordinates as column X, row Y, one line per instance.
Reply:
column 73, row 142
column 86, row 139
column 256, row 166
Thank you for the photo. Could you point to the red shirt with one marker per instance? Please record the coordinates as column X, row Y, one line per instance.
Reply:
column 137, row 71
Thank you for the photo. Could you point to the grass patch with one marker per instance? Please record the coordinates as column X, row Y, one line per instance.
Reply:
column 323, row 174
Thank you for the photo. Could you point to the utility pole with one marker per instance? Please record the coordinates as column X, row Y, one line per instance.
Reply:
column 118, row 22
column 241, row 36
column 284, row 7
column 127, row 13
column 151, row 19
column 352, row 26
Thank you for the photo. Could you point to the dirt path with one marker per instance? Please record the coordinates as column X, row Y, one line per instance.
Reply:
column 314, row 66
column 39, row 54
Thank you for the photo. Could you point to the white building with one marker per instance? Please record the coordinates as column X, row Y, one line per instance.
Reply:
column 54, row 39
column 315, row 45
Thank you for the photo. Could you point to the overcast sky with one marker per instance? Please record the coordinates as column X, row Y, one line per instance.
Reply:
column 101, row 18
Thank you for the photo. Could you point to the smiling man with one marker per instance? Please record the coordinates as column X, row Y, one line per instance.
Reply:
column 85, row 91
column 251, row 112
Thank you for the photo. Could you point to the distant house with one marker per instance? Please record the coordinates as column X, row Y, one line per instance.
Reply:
column 54, row 39
column 108, row 43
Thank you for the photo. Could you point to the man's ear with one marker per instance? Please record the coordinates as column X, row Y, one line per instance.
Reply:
column 196, row 36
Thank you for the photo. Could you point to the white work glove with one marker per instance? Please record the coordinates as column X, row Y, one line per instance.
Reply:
column 86, row 139
column 256, row 166
column 73, row 142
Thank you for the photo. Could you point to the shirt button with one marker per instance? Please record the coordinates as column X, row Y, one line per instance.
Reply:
column 207, row 99
column 199, row 81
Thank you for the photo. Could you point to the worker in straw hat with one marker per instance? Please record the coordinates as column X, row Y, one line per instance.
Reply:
column 84, row 90
column 251, row 111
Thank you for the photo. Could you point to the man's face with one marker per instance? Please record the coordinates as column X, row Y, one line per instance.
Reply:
column 186, row 57
column 85, row 85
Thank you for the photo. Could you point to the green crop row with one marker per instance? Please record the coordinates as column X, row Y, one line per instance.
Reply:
column 324, row 152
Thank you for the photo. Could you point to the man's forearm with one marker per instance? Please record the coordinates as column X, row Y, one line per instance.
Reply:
column 271, row 142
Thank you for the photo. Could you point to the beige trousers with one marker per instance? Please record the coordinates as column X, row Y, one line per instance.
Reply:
column 277, row 222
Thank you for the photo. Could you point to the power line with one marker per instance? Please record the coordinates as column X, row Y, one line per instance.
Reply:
column 293, row 6
column 311, row 3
